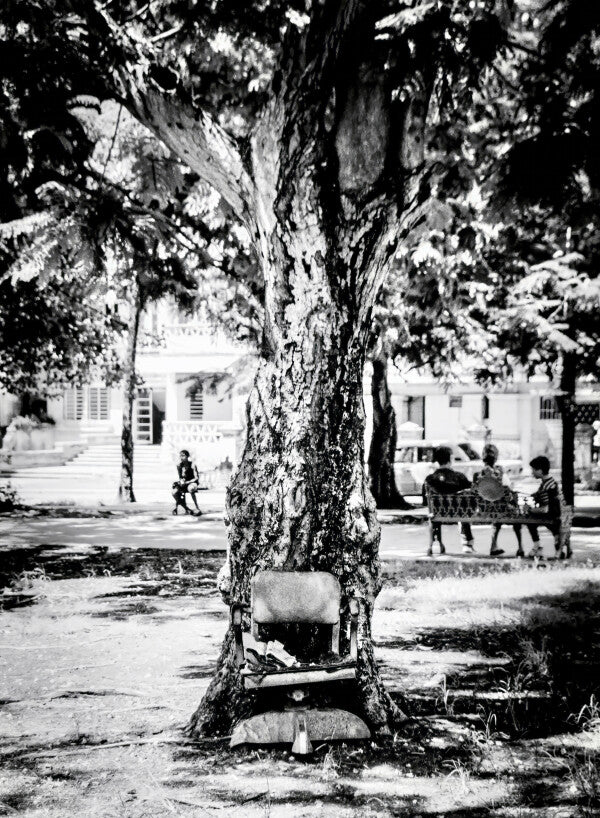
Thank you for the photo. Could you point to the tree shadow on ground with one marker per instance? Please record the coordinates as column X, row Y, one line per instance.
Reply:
column 552, row 671
column 550, row 668
column 58, row 563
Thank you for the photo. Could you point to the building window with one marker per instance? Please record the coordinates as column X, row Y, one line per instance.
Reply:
column 415, row 410
column 549, row 409
column 196, row 404
column 73, row 404
column 455, row 401
column 97, row 403
column 485, row 408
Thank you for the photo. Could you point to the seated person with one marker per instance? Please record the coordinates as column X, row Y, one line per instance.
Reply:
column 446, row 480
column 548, row 501
column 492, row 469
column 187, row 482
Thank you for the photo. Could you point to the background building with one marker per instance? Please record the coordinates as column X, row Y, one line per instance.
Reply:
column 188, row 396
column 523, row 418
column 194, row 383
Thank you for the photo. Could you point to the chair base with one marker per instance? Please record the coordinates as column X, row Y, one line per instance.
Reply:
column 290, row 677
column 300, row 727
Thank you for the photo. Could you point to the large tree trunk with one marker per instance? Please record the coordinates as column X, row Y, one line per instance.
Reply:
column 300, row 498
column 126, row 493
column 382, row 450
column 568, row 381
column 336, row 168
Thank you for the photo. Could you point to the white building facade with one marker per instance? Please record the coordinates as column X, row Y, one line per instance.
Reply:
column 186, row 396
column 192, row 395
column 523, row 419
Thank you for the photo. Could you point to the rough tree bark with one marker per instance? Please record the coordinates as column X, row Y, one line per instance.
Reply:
column 566, row 401
column 382, row 450
column 126, row 493
column 300, row 497
column 331, row 182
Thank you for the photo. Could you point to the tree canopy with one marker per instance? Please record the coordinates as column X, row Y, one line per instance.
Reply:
column 332, row 131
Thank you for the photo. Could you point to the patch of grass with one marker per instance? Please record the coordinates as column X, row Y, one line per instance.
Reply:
column 490, row 585
column 588, row 718
column 9, row 498
column 444, row 697
column 24, row 589
column 462, row 775
column 584, row 778
column 545, row 621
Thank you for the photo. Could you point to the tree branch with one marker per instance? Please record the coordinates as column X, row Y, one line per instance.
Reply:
column 309, row 62
column 154, row 95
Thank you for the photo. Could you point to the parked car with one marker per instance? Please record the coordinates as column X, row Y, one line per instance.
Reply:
column 414, row 461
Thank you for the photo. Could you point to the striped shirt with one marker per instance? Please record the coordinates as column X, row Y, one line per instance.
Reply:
column 549, row 496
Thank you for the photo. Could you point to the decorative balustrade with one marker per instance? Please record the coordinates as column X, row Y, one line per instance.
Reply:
column 198, row 336
column 209, row 442
column 191, row 431
column 151, row 342
column 188, row 330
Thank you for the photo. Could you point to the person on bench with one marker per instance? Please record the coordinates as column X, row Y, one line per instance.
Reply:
column 445, row 480
column 492, row 469
column 548, row 505
column 188, row 482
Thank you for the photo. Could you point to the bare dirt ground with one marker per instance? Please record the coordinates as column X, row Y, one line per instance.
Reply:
column 106, row 649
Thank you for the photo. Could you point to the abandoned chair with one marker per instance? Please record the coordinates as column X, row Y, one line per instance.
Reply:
column 291, row 597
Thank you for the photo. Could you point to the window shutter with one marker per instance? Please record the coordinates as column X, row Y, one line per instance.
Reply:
column 73, row 404
column 549, row 409
column 103, row 400
column 98, row 403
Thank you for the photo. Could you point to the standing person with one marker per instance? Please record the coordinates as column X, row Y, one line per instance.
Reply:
column 445, row 480
column 492, row 469
column 548, row 501
column 188, row 482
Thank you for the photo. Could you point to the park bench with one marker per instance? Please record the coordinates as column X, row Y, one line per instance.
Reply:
column 488, row 502
column 289, row 598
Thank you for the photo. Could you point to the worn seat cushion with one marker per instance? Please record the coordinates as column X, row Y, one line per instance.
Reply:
column 295, row 596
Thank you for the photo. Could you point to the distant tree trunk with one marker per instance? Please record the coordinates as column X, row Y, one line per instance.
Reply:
column 382, row 450
column 129, row 389
column 568, row 382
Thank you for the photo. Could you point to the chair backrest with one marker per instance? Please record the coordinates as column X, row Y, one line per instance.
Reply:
column 295, row 596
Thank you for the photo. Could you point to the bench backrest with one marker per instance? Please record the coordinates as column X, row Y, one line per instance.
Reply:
column 487, row 498
column 295, row 596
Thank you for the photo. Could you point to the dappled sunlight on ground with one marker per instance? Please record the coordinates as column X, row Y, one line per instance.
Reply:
column 531, row 582
column 108, row 639
column 152, row 531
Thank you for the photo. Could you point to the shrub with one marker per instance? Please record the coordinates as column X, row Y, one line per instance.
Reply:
column 8, row 498
column 20, row 424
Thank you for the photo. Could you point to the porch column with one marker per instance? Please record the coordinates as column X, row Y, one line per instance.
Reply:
column 526, row 430
column 171, row 398
column 170, row 414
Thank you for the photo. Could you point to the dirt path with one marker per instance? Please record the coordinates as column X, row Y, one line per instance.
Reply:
column 105, row 652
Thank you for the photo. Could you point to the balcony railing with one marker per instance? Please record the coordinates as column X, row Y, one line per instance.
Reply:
column 197, row 335
column 151, row 342
column 185, row 338
column 210, row 442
